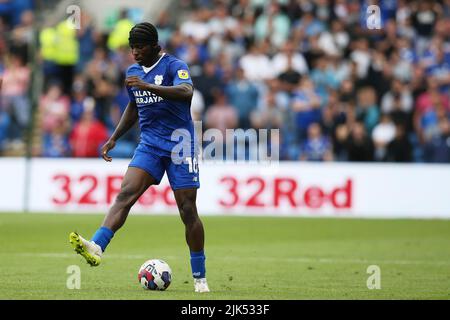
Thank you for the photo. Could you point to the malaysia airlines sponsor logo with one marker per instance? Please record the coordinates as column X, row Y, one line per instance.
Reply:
column 146, row 97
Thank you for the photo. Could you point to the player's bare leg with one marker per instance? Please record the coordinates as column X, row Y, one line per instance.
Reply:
column 134, row 184
column 195, row 235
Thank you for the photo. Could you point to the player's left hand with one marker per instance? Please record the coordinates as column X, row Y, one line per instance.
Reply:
column 135, row 81
column 110, row 144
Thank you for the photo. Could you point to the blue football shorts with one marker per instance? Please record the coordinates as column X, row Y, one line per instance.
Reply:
column 155, row 162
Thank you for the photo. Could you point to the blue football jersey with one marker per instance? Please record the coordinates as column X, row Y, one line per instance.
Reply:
column 158, row 117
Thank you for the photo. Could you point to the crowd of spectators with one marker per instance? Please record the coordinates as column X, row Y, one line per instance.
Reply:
column 16, row 35
column 336, row 90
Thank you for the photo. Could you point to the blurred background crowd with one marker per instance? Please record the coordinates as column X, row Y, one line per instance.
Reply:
column 336, row 90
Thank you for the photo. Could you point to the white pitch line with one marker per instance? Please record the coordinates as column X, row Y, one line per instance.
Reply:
column 71, row 255
column 267, row 259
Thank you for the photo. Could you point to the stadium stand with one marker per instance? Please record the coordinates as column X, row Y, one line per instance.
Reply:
column 336, row 90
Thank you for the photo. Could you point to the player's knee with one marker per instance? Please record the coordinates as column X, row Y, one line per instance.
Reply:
column 188, row 212
column 127, row 197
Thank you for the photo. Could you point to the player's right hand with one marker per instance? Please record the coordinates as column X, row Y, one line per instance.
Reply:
column 110, row 144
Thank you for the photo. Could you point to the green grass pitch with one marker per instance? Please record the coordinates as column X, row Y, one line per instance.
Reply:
column 247, row 258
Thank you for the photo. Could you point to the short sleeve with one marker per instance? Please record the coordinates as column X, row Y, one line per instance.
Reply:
column 130, row 94
column 180, row 73
column 129, row 91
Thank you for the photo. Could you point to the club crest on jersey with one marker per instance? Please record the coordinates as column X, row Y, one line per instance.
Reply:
column 183, row 74
column 158, row 79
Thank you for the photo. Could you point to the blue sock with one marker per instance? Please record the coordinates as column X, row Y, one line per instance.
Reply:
column 198, row 264
column 102, row 237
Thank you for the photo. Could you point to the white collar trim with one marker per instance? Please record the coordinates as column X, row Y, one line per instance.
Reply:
column 148, row 69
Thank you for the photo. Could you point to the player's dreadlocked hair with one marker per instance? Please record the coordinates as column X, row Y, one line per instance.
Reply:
column 144, row 33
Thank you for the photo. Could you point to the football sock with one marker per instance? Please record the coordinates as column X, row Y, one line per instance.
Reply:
column 198, row 264
column 102, row 237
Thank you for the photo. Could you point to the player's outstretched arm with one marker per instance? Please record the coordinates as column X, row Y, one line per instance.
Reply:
column 181, row 92
column 128, row 119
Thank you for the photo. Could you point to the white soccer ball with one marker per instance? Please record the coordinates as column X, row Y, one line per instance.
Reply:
column 155, row 274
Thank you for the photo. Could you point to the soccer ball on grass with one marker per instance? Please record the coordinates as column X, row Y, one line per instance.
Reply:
column 155, row 274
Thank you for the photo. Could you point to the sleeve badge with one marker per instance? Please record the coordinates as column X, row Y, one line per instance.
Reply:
column 183, row 74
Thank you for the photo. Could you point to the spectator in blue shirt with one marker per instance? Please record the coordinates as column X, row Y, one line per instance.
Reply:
column 243, row 95
column 55, row 144
column 306, row 103
column 317, row 147
column 438, row 148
